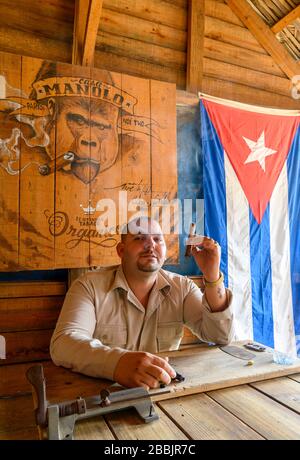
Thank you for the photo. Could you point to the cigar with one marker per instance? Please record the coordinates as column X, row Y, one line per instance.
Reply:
column 57, row 163
column 188, row 249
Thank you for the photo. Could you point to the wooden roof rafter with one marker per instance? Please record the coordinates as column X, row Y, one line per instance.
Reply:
column 86, row 24
column 265, row 36
column 286, row 20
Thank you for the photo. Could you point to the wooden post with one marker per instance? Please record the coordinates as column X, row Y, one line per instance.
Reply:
column 86, row 24
column 194, row 71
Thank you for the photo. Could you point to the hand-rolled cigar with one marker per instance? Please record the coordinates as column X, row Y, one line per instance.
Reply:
column 57, row 163
column 188, row 249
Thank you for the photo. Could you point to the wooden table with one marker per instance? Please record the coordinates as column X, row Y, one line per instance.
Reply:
column 222, row 398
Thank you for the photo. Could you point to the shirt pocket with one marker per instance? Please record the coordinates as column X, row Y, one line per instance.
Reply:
column 113, row 336
column 169, row 336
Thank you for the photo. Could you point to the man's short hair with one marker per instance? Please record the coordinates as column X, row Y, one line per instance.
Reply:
column 133, row 226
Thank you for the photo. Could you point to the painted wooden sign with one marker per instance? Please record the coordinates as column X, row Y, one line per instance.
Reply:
column 74, row 143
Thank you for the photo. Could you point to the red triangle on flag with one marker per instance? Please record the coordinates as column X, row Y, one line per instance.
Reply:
column 257, row 145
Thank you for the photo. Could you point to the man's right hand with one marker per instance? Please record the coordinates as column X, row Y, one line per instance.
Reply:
column 142, row 369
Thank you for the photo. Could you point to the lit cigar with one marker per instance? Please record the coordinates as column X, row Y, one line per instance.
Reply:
column 188, row 249
column 57, row 163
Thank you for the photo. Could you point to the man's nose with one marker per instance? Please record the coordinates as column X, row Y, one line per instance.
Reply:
column 149, row 243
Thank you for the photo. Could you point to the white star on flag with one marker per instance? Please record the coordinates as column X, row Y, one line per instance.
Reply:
column 259, row 151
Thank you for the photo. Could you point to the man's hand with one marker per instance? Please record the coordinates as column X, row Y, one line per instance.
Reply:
column 141, row 369
column 207, row 256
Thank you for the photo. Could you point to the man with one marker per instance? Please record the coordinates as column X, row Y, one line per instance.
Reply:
column 114, row 321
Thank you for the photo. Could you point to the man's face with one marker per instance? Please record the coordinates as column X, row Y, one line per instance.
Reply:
column 143, row 248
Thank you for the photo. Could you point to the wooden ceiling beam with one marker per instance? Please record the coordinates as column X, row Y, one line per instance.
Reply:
column 194, row 71
column 86, row 25
column 265, row 37
column 286, row 20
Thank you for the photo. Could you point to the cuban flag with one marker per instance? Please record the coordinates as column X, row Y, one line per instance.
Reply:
column 251, row 158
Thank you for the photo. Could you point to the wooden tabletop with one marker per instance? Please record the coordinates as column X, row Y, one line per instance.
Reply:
column 222, row 397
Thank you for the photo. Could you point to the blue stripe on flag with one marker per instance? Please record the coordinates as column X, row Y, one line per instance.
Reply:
column 215, row 221
column 293, row 172
column 261, row 279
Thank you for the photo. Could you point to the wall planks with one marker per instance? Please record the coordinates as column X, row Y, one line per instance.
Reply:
column 85, row 136
column 149, row 39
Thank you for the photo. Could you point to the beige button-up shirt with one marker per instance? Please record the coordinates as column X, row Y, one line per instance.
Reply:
column 101, row 319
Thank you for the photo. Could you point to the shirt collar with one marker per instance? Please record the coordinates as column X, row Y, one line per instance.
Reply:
column 120, row 281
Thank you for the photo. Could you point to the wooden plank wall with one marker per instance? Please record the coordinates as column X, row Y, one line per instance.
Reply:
column 121, row 131
column 28, row 314
column 148, row 38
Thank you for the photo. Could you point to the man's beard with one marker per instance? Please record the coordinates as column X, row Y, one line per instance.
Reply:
column 149, row 266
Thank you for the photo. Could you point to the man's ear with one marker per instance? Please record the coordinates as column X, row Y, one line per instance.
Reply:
column 120, row 249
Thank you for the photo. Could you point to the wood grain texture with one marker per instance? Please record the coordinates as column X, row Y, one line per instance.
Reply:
column 10, row 162
column 32, row 289
column 140, row 39
column 247, row 77
column 243, row 93
column 76, row 111
column 36, row 244
column 194, row 71
column 140, row 29
column 72, row 194
column 266, row 409
column 30, row 313
column 106, row 184
column 93, row 429
column 295, row 377
column 223, row 31
column 127, row 425
column 62, row 384
column 220, row 10
column 164, row 164
column 283, row 390
column 21, row 426
column 269, row 418
column 27, row 346
column 265, row 36
column 246, row 59
column 91, row 29
column 208, row 369
column 140, row 50
column 206, row 419
column 152, row 10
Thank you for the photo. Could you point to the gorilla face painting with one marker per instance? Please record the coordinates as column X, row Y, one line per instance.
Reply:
column 75, row 143
column 92, row 139
column 71, row 114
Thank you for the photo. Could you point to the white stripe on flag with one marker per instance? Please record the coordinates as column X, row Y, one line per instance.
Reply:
column 283, row 318
column 238, row 238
